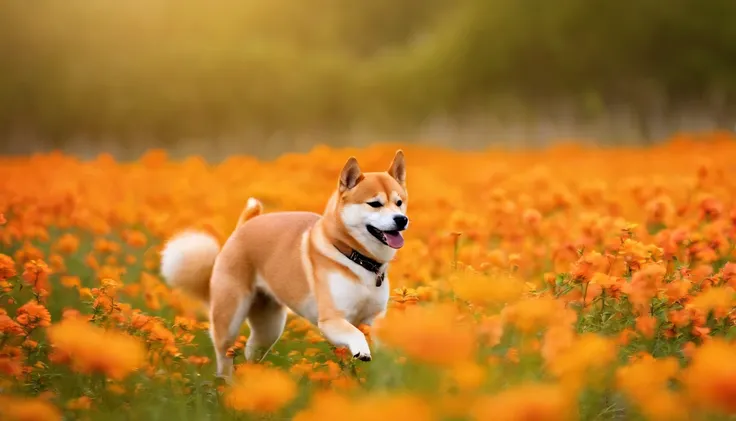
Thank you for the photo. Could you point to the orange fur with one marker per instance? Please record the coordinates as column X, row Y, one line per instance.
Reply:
column 288, row 260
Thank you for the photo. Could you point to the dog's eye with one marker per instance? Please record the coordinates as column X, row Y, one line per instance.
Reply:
column 375, row 204
column 399, row 203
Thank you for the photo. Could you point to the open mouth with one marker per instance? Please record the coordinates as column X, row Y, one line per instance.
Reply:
column 393, row 238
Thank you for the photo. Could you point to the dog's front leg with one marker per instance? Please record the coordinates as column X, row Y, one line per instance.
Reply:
column 341, row 333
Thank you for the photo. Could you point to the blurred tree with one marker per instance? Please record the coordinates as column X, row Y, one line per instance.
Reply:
column 194, row 68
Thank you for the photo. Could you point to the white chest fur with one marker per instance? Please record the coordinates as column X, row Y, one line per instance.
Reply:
column 360, row 301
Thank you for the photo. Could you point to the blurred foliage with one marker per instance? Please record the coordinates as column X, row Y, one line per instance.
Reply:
column 188, row 67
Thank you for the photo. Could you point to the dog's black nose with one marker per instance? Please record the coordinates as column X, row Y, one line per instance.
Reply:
column 401, row 221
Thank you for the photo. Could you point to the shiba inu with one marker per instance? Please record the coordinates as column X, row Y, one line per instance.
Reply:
column 329, row 269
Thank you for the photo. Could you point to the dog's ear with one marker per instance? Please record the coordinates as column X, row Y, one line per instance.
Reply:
column 350, row 175
column 397, row 170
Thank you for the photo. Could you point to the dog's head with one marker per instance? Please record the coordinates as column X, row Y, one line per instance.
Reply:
column 372, row 206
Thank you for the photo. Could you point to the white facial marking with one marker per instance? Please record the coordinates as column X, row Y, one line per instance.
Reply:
column 357, row 217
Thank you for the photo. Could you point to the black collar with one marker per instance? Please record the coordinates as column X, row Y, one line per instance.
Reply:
column 365, row 262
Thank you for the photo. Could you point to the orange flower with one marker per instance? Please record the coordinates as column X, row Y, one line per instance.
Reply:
column 57, row 263
column 710, row 380
column 27, row 409
column 636, row 253
column 467, row 375
column 135, row 238
column 720, row 300
column 71, row 281
column 7, row 267
column 646, row 324
column 585, row 360
column 67, row 244
column 484, row 290
column 644, row 285
column 532, row 218
column 557, row 339
column 3, row 221
column 8, row 326
column 588, row 265
column 32, row 315
column 524, row 403
column 196, row 360
column 331, row 406
column 27, row 253
column 260, row 389
column 604, row 280
column 36, row 274
column 490, row 328
column 679, row 318
column 430, row 334
column 677, row 290
column 645, row 383
column 29, row 344
column 81, row 403
column 534, row 314
column 92, row 349
column 85, row 293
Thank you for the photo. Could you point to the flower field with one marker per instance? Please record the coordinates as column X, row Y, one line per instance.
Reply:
column 563, row 284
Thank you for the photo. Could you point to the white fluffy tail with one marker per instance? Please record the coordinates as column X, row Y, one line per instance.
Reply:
column 187, row 260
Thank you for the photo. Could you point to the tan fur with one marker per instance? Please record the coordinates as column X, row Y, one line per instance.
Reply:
column 281, row 260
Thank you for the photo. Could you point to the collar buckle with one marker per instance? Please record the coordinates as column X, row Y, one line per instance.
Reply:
column 368, row 264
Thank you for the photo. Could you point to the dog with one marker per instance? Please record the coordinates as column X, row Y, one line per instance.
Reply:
column 330, row 269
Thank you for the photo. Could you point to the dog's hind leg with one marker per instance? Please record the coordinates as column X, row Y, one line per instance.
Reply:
column 266, row 320
column 230, row 302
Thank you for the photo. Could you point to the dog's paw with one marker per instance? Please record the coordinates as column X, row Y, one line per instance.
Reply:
column 360, row 348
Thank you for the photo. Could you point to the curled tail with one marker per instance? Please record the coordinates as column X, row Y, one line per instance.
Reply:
column 252, row 208
column 188, row 257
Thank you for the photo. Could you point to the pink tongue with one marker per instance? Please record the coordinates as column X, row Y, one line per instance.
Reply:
column 394, row 240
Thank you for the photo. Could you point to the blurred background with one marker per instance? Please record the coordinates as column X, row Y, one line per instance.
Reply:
column 266, row 77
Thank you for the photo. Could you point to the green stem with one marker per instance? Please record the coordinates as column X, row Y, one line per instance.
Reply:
column 455, row 252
